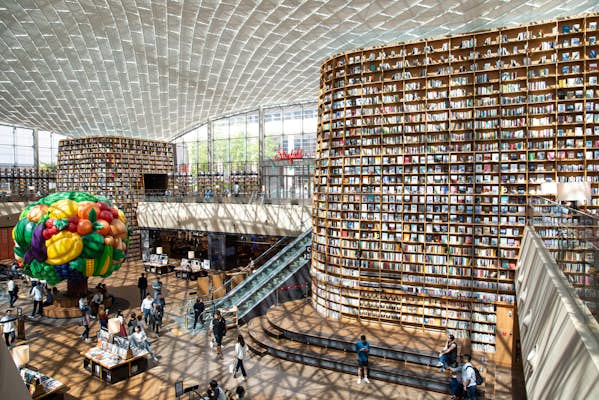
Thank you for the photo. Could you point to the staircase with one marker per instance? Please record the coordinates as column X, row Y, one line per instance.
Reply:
column 293, row 331
column 258, row 287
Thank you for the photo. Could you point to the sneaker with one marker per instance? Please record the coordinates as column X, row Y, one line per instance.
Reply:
column 359, row 380
column 155, row 359
column 88, row 340
column 366, row 380
column 245, row 378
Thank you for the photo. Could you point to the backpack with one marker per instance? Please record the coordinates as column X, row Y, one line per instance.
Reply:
column 477, row 376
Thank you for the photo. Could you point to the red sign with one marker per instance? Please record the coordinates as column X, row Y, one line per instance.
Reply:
column 295, row 154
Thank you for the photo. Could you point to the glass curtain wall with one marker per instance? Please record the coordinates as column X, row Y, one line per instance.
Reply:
column 232, row 156
column 27, row 162
column 289, row 144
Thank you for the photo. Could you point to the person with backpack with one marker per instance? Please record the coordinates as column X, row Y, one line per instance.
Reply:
column 470, row 377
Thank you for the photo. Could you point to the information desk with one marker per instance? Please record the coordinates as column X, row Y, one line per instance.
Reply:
column 110, row 368
column 50, row 388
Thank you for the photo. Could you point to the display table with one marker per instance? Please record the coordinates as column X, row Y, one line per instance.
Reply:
column 189, row 269
column 111, row 368
column 159, row 269
column 158, row 264
column 49, row 388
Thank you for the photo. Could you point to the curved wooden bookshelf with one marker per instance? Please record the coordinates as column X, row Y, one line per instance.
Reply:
column 427, row 153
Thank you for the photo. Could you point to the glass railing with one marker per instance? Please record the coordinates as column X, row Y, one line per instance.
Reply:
column 255, row 197
column 265, row 276
column 186, row 305
column 572, row 237
column 252, row 289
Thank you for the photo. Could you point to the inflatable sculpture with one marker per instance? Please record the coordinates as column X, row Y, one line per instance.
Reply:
column 70, row 235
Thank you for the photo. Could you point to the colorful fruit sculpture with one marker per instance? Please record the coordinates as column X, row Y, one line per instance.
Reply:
column 70, row 235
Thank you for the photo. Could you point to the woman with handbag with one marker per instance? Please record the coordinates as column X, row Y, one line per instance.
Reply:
column 241, row 353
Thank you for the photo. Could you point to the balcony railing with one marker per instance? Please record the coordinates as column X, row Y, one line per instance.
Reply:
column 572, row 238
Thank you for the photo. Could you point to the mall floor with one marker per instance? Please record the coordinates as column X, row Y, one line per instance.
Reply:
column 56, row 351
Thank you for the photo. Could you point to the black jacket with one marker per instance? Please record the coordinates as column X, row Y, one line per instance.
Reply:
column 198, row 307
column 219, row 327
column 142, row 283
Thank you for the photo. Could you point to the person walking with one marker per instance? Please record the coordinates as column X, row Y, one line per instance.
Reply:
column 362, row 348
column 139, row 339
column 8, row 327
column 146, row 308
column 85, row 322
column 198, row 311
column 142, row 284
column 469, row 378
column 38, row 295
column 219, row 330
column 13, row 290
column 157, row 314
column 241, row 350
column 157, row 287
column 449, row 354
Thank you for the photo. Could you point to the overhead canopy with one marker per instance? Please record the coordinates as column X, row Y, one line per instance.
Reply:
column 155, row 68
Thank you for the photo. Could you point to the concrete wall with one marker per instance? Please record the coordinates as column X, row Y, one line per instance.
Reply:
column 231, row 218
column 559, row 336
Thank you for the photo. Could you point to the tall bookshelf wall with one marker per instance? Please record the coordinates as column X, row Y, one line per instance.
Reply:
column 114, row 167
column 18, row 181
column 427, row 153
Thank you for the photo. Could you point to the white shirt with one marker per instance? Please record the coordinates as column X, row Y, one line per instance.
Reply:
column 8, row 326
column 147, row 304
column 97, row 298
column 240, row 351
column 82, row 303
column 11, row 285
column 139, row 337
column 468, row 373
column 37, row 293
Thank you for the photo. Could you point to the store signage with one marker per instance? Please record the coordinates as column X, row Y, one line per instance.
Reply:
column 295, row 154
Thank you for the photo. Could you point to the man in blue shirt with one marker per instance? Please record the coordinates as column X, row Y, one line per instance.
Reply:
column 362, row 348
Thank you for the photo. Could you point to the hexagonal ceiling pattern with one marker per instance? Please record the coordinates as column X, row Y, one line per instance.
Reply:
column 155, row 68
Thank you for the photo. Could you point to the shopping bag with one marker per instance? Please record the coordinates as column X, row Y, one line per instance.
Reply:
column 232, row 367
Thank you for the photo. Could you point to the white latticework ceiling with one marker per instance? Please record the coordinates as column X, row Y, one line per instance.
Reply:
column 155, row 68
